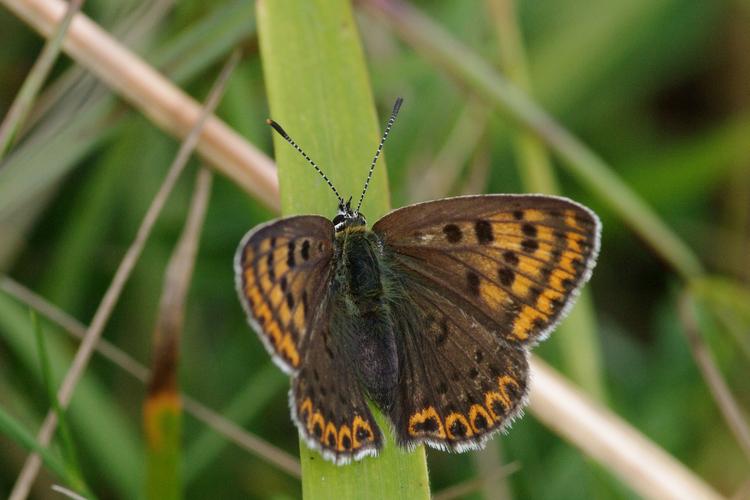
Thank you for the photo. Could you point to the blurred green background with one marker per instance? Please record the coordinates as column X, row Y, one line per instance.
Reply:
column 659, row 88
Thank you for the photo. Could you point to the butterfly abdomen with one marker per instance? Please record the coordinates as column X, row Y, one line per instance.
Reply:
column 370, row 338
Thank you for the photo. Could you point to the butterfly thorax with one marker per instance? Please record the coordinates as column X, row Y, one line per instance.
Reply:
column 365, row 319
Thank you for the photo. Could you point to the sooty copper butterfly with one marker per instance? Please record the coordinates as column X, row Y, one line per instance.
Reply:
column 430, row 314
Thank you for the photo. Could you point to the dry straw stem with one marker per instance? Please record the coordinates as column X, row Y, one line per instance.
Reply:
column 162, row 409
column 25, row 98
column 66, row 492
column 180, row 268
column 103, row 312
column 712, row 375
column 155, row 96
column 563, row 411
column 466, row 488
column 231, row 431
column 638, row 462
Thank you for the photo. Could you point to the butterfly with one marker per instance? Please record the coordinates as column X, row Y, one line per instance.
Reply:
column 429, row 315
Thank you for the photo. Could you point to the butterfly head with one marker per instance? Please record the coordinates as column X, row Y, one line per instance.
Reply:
column 347, row 217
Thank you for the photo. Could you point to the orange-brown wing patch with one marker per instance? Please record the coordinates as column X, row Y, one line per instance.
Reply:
column 515, row 263
column 353, row 435
column 282, row 271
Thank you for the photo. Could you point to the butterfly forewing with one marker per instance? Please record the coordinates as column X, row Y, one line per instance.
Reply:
column 283, row 270
column 512, row 263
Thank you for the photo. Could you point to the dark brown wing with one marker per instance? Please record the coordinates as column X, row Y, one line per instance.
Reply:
column 514, row 263
column 282, row 272
column 327, row 402
column 459, row 383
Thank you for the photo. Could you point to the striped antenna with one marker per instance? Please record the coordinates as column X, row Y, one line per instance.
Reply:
column 388, row 126
column 283, row 134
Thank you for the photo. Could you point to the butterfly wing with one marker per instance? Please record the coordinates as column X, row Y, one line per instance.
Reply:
column 481, row 279
column 282, row 271
column 459, row 382
column 327, row 402
column 513, row 263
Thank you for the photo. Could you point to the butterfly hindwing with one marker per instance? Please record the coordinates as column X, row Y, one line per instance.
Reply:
column 283, row 270
column 327, row 401
column 459, row 382
column 513, row 263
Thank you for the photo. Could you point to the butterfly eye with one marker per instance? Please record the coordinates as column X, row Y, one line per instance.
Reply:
column 339, row 219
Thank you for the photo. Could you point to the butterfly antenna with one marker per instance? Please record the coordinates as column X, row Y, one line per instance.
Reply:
column 388, row 126
column 283, row 134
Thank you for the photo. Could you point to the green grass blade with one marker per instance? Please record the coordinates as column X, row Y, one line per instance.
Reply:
column 205, row 41
column 25, row 97
column 163, row 429
column 320, row 92
column 68, row 448
column 110, row 436
column 13, row 429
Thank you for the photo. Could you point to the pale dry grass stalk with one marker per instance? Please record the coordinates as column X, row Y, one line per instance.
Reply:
column 231, row 431
column 73, row 327
column 67, row 493
column 473, row 485
column 19, row 109
column 103, row 312
column 712, row 375
column 182, row 263
column 156, row 97
column 244, row 439
column 641, row 464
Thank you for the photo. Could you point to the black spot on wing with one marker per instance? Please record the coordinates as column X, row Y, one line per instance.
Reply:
column 472, row 280
column 483, row 230
column 480, row 422
column 452, row 233
column 529, row 245
column 506, row 276
column 290, row 261
column 510, row 257
column 430, row 425
column 458, row 429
